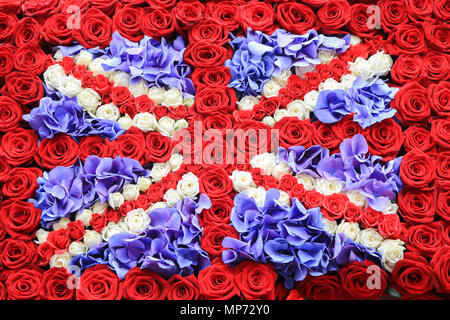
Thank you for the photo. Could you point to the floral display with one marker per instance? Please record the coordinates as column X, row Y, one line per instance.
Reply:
column 224, row 150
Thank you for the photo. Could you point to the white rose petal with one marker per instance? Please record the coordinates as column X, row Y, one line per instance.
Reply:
column 85, row 216
column 70, row 86
column 350, row 229
column 156, row 94
column 84, row 58
column 120, row 79
column 188, row 186
column 53, row 76
column 265, row 161
column 77, row 247
column 328, row 187
column 392, row 252
column 247, row 103
column 92, row 238
column 139, row 89
column 144, row 183
column 308, row 182
column 89, row 100
column 159, row 171
column 145, row 121
column 172, row 97
column 108, row 112
column 242, row 180
column 370, row 238
column 172, row 197
column 136, row 221
column 60, row 260
column 126, row 122
column 271, row 88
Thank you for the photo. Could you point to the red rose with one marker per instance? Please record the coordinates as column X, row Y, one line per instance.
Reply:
column 158, row 4
column 294, row 132
column 95, row 29
column 126, row 207
column 24, row 284
column 325, row 287
column 313, row 199
column 113, row 215
column 440, row 132
column 418, row 138
column 157, row 23
column 25, row 88
column 334, row 15
column 338, row 68
column 218, row 76
column 8, row 26
column 219, row 213
column 55, row 285
column 30, row 59
column 436, row 66
column 412, row 275
column 443, row 165
column 155, row 192
column 347, row 128
column 210, row 30
column 296, row 17
column 255, row 281
column 131, row 145
column 62, row 150
column 205, row 54
column 406, row 39
column 440, row 264
column 215, row 182
column 419, row 10
column 95, row 145
column 425, row 239
column 44, row 253
column 355, row 281
column 126, row 22
column 76, row 230
column 287, row 183
column 213, row 235
column 412, row 104
column 371, row 218
column 406, row 68
column 218, row 121
column 216, row 282
column 352, row 213
column 56, row 30
column 389, row 226
column 314, row 79
column 335, row 205
column 5, row 169
column 98, row 222
column 226, row 12
column 59, row 240
column 187, row 14
column 324, row 135
column 439, row 97
column 39, row 8
column 10, row 114
column 183, row 288
column 215, row 99
column 6, row 59
column 99, row 283
column 258, row 16
column 107, row 6
column 295, row 294
column 16, row 253
column 19, row 146
column 19, row 219
column 384, row 139
column 158, row 147
column 22, row 184
column 299, row 192
column 298, row 87
column 142, row 284
column 28, row 31
column 418, row 170
column 437, row 35
column 416, row 206
column 359, row 21
column 3, row 291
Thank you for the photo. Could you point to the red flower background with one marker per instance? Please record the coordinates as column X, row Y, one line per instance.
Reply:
column 416, row 33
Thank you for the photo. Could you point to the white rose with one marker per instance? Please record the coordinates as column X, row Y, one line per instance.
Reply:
column 136, row 221
column 356, row 198
column 175, row 162
column 308, row 182
column 108, row 111
column 92, row 238
column 58, row 55
column 271, row 89
column 172, row 97
column 259, row 194
column 284, row 199
column 381, row 64
column 125, row 122
column 391, row 208
column 268, row 121
column 282, row 79
column 361, row 68
column 97, row 68
column 299, row 109
column 156, row 94
column 350, row 229
column 41, row 236
column 60, row 260
column 77, row 247
column 392, row 252
column 188, row 186
column 370, row 238
column 110, row 230
column 326, row 56
column 89, row 99
column 188, row 102
column 84, row 58
column 330, row 225
column 70, row 86
column 172, row 197
column 159, row 171
column 265, row 161
column 354, row 39
column 280, row 114
column 347, row 81
column 120, row 79
column 310, row 99
column 130, row 192
column 99, row 207
column 85, row 216
column 158, row 205
column 300, row 71
column 53, row 76
column 242, row 180
column 145, row 121
column 139, row 88
column 144, row 183
column 61, row 224
column 166, row 126
column 280, row 170
column 247, row 103
column 181, row 124
column 328, row 187
column 329, row 84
